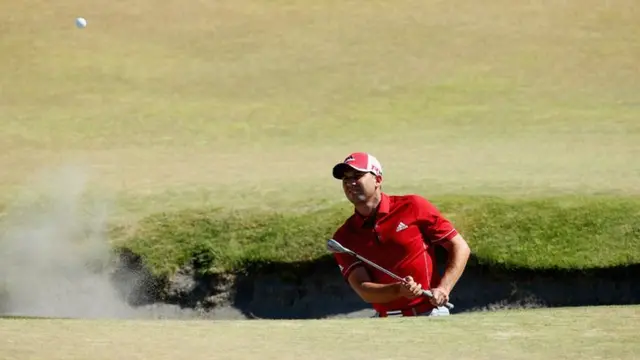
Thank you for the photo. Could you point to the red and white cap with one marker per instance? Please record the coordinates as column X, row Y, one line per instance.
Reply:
column 360, row 161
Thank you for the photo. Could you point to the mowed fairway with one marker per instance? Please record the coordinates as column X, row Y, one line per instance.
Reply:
column 246, row 103
column 598, row 333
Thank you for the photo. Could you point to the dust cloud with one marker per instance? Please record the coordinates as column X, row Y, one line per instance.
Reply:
column 55, row 257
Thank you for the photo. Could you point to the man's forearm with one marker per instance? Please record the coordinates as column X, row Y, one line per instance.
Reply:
column 456, row 262
column 378, row 293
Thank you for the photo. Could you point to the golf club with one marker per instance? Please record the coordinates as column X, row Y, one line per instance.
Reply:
column 336, row 247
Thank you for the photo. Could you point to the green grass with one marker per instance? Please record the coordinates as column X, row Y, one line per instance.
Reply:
column 578, row 333
column 174, row 109
column 569, row 233
column 555, row 233
column 262, row 98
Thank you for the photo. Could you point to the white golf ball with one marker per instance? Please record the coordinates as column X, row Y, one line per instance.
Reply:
column 81, row 22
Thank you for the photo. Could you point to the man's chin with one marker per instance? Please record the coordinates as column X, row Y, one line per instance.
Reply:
column 357, row 199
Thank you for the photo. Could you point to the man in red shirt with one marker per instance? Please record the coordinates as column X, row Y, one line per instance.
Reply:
column 400, row 234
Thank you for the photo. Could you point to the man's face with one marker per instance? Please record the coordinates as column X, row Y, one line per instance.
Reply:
column 359, row 186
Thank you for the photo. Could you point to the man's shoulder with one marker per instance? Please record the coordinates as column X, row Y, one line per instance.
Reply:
column 345, row 227
column 414, row 199
column 413, row 203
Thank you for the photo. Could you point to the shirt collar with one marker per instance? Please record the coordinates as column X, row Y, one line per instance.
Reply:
column 382, row 209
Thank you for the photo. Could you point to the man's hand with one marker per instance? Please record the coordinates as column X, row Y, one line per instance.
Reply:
column 440, row 296
column 410, row 289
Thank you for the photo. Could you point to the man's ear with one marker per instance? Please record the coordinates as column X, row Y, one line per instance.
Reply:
column 379, row 180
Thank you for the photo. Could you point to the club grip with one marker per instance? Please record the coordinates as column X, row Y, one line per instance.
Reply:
column 428, row 293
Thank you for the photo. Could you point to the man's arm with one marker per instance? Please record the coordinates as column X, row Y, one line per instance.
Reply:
column 358, row 278
column 438, row 230
column 458, row 254
column 372, row 292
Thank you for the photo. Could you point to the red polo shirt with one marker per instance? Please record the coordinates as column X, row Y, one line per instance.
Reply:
column 401, row 239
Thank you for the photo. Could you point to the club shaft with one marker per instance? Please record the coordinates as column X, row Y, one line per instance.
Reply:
column 379, row 268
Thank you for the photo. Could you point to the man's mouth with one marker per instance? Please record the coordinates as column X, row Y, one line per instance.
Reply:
column 355, row 192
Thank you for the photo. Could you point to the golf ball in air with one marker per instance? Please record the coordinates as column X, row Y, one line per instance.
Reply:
column 81, row 22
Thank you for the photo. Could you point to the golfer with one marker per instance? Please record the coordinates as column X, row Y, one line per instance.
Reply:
column 400, row 234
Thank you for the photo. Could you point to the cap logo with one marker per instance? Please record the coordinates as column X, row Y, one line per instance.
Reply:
column 349, row 158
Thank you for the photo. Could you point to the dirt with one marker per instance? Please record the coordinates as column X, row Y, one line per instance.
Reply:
column 315, row 290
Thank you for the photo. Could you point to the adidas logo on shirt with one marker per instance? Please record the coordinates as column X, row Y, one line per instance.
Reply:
column 401, row 227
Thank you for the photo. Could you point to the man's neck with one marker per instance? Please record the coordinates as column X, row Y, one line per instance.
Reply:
column 369, row 207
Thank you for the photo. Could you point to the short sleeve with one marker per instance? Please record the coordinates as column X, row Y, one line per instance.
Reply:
column 434, row 226
column 346, row 263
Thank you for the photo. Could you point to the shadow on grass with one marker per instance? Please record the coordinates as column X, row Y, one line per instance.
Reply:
column 315, row 289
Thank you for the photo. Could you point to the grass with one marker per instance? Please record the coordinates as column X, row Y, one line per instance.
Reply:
column 210, row 128
column 161, row 101
column 533, row 234
column 585, row 333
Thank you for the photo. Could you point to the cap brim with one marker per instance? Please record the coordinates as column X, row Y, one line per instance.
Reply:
column 339, row 169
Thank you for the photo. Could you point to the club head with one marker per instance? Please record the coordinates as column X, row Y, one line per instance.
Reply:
column 335, row 247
